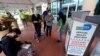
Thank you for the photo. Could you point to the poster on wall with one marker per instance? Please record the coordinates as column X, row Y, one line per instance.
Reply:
column 80, row 37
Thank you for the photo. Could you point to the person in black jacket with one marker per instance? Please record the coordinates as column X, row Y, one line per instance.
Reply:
column 9, row 45
column 36, row 18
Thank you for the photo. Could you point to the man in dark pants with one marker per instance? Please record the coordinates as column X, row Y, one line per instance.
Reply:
column 36, row 18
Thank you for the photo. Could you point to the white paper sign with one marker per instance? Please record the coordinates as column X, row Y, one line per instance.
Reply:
column 80, row 37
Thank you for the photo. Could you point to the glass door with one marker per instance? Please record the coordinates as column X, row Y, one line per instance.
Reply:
column 55, row 7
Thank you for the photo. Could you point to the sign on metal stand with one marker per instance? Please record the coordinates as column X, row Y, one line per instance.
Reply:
column 80, row 37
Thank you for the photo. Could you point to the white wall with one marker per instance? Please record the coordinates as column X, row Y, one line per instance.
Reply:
column 89, row 5
column 43, row 6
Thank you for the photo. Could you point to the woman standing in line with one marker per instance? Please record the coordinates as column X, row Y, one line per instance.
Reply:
column 61, row 23
column 36, row 18
column 49, row 21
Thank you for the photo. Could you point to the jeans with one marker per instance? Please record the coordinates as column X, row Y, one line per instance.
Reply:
column 48, row 30
column 60, row 35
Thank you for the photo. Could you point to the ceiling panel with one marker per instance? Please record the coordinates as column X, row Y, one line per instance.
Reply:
column 13, row 4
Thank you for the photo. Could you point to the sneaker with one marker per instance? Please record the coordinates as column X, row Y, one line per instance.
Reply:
column 37, row 40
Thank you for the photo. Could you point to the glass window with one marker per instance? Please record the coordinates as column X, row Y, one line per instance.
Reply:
column 68, row 1
column 55, row 6
column 2, row 12
column 39, row 10
column 97, row 1
column 80, row 4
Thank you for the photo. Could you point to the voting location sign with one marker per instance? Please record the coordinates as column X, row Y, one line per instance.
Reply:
column 81, row 35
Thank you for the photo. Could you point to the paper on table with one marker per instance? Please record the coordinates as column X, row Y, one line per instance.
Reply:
column 26, row 46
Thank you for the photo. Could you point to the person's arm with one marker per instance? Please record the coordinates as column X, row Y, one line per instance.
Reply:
column 44, row 15
column 40, row 19
column 45, row 19
column 6, row 45
column 52, row 17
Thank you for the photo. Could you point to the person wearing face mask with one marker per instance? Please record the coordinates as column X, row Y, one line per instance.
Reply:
column 36, row 18
column 61, row 23
column 45, row 13
column 49, row 21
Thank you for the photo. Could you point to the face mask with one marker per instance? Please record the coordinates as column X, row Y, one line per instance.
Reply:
column 49, row 13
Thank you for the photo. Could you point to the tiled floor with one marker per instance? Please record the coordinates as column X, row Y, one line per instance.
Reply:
column 48, row 45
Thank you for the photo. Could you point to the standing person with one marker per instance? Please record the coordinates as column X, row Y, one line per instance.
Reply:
column 49, row 21
column 36, row 18
column 45, row 13
column 23, row 18
column 61, row 23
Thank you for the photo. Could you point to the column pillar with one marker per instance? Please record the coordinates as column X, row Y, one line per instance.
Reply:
column 89, row 5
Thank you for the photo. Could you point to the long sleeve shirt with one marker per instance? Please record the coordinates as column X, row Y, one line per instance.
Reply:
column 49, row 20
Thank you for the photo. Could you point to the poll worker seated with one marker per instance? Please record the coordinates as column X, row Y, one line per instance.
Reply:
column 9, row 45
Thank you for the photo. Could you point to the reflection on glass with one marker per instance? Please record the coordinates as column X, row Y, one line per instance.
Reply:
column 55, row 6
column 80, row 2
column 68, row 1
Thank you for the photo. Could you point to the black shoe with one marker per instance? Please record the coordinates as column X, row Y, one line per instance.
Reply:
column 58, row 41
